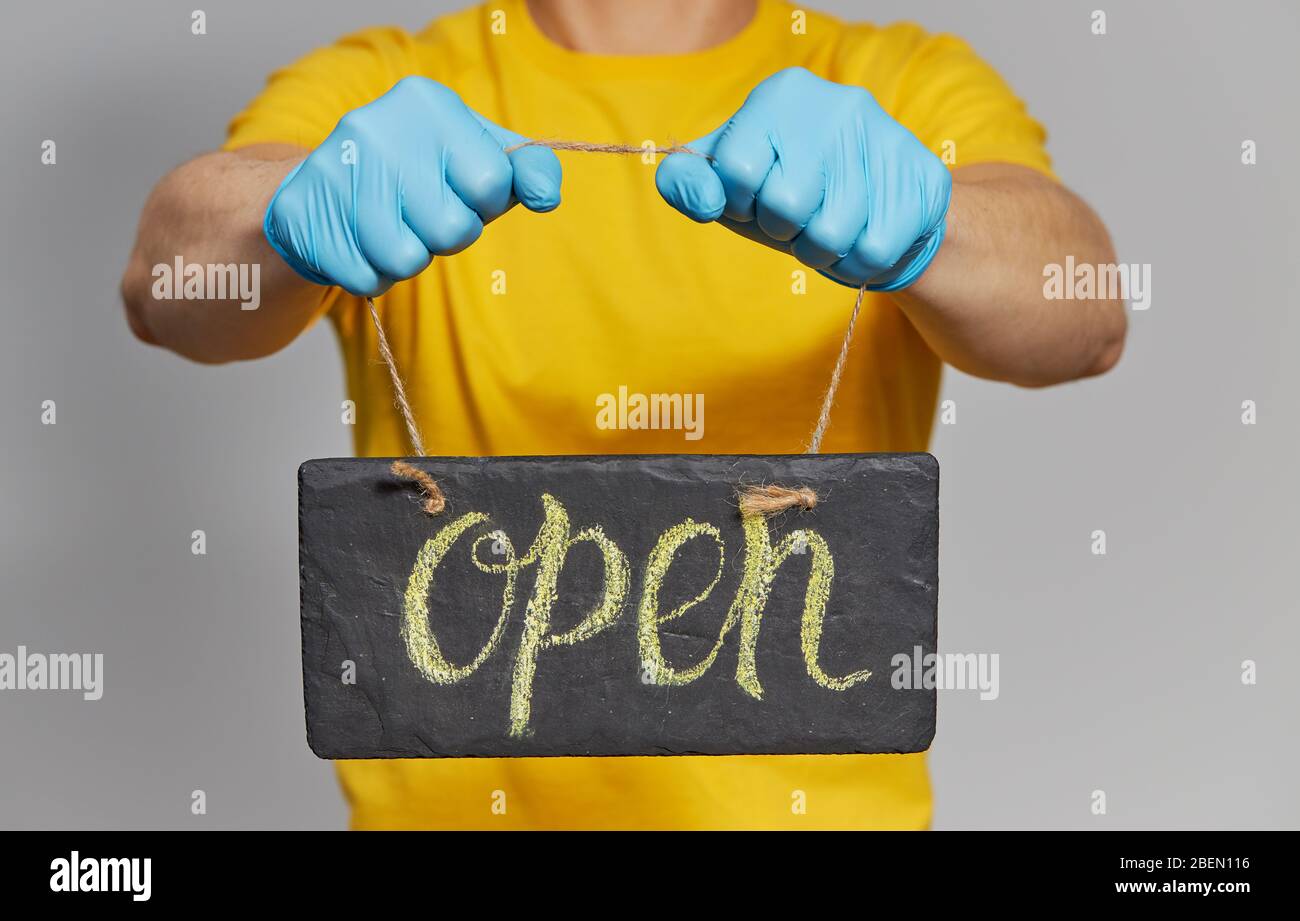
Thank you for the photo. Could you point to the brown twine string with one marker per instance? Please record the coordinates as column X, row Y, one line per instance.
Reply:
column 434, row 500
column 586, row 147
column 398, row 390
column 773, row 499
column 767, row 500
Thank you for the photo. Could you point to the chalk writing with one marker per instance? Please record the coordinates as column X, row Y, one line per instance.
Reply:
column 548, row 552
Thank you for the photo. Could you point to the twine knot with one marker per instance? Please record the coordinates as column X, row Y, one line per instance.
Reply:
column 774, row 499
column 434, row 500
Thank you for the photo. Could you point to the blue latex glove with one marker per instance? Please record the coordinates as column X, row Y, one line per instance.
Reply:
column 820, row 171
column 423, row 175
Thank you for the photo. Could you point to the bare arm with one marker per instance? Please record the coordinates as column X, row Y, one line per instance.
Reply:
column 210, row 210
column 980, row 304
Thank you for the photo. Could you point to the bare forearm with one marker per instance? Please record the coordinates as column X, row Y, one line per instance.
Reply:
column 980, row 305
column 209, row 212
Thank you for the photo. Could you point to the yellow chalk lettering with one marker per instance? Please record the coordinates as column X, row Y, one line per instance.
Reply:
column 549, row 550
column 648, row 617
column 761, row 564
column 421, row 645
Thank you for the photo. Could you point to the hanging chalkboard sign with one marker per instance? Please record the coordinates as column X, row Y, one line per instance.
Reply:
column 617, row 605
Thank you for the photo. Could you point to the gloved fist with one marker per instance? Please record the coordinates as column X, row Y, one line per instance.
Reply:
column 818, row 170
column 421, row 176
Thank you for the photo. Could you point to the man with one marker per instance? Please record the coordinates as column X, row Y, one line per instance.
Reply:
column 823, row 151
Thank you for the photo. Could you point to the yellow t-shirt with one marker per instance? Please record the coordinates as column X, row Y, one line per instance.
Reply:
column 507, row 346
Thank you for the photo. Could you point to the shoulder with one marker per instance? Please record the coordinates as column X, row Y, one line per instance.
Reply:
column 879, row 57
column 865, row 54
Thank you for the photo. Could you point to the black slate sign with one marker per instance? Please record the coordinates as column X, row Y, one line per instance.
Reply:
column 617, row 605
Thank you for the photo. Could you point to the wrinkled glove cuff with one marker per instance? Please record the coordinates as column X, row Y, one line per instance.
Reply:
column 913, row 264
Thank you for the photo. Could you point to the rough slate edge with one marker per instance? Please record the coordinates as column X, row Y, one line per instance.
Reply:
column 923, row 457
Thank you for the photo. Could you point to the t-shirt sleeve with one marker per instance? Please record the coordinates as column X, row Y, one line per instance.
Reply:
column 302, row 103
column 962, row 109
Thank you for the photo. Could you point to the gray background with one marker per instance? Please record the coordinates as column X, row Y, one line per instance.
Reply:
column 1118, row 672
